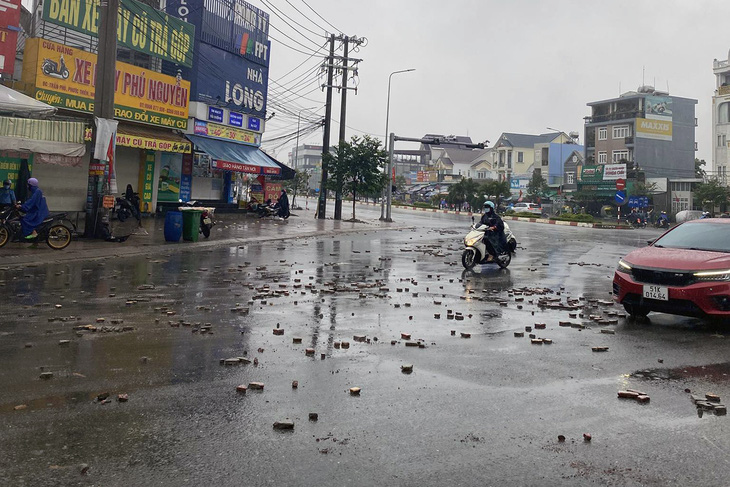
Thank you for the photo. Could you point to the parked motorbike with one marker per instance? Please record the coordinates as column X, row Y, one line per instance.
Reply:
column 207, row 219
column 54, row 230
column 55, row 69
column 126, row 208
column 480, row 247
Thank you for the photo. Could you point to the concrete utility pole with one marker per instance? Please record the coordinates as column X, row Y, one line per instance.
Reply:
column 343, row 116
column 322, row 204
column 103, row 97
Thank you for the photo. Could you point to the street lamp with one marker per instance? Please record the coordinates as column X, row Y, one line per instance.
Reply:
column 387, row 116
column 296, row 148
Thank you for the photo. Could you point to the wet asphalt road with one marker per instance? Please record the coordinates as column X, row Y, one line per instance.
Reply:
column 485, row 410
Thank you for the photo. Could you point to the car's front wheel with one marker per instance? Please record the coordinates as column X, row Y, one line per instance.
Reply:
column 636, row 311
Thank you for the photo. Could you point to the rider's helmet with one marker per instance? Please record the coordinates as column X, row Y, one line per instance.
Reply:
column 7, row 183
column 488, row 204
column 33, row 182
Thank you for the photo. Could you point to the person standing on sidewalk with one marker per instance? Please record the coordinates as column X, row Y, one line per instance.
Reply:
column 35, row 209
column 7, row 195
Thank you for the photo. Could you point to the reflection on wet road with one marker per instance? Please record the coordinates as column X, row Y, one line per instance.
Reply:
column 484, row 405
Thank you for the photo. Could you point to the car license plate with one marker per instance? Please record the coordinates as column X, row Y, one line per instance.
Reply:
column 207, row 221
column 656, row 292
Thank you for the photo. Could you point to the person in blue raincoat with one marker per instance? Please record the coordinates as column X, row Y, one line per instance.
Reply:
column 7, row 195
column 35, row 209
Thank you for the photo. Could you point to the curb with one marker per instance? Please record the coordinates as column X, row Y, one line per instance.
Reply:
column 545, row 221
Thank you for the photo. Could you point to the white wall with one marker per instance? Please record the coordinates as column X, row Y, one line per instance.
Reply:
column 64, row 187
column 127, row 168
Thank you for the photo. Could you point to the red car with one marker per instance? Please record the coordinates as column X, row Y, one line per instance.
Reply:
column 685, row 272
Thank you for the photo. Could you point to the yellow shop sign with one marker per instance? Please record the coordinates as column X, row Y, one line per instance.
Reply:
column 65, row 77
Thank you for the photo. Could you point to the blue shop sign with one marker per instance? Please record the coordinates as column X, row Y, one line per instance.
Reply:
column 254, row 124
column 235, row 119
column 215, row 114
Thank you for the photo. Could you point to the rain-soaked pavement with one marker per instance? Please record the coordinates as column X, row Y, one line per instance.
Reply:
column 481, row 406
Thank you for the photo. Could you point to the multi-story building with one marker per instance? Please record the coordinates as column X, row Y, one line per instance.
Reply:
column 721, row 119
column 307, row 157
column 518, row 156
column 647, row 129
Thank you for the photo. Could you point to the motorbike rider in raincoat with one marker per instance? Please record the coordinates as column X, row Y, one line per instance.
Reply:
column 35, row 209
column 494, row 224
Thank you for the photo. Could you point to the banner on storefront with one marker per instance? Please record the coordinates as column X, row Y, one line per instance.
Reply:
column 147, row 176
column 233, row 25
column 169, row 183
column 147, row 142
column 228, row 133
column 654, row 129
column 186, row 178
column 241, row 167
column 10, row 167
column 65, row 77
column 139, row 27
column 612, row 172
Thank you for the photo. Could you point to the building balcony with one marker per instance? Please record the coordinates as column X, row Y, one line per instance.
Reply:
column 612, row 117
column 723, row 90
column 628, row 141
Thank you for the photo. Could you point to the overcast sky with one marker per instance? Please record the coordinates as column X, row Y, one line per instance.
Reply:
column 484, row 67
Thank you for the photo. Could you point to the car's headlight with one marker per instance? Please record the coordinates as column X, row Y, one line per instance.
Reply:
column 721, row 275
column 471, row 241
column 623, row 266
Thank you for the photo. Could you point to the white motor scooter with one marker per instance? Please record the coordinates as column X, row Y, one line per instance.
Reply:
column 480, row 251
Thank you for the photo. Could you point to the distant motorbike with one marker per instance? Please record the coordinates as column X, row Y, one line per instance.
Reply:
column 480, row 247
column 54, row 230
column 636, row 222
column 662, row 222
column 55, row 69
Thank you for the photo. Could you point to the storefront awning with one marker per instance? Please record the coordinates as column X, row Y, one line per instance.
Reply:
column 232, row 156
column 45, row 136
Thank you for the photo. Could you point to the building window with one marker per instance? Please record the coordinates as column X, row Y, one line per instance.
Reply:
column 723, row 113
column 520, row 157
column 618, row 155
column 603, row 133
column 620, row 131
column 721, row 140
column 509, row 160
column 602, row 157
column 569, row 178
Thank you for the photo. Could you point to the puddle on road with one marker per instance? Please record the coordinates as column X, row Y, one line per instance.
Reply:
column 715, row 373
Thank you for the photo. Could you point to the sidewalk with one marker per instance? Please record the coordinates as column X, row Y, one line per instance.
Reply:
column 231, row 229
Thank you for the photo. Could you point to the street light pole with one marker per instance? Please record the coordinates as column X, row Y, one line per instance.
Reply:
column 387, row 135
column 296, row 148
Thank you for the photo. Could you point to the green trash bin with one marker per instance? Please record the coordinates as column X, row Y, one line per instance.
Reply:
column 191, row 225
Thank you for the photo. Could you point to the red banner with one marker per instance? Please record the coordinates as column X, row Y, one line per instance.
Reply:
column 8, row 43
column 240, row 167
column 9, row 14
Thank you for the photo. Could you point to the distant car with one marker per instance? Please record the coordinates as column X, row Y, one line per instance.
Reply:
column 685, row 272
column 533, row 208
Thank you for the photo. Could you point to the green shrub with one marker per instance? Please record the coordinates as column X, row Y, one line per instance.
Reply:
column 423, row 204
column 578, row 217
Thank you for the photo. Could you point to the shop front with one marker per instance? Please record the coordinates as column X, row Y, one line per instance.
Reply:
column 150, row 108
column 224, row 171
